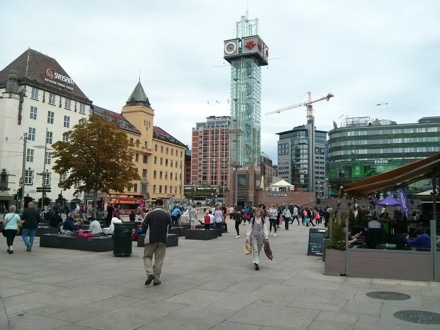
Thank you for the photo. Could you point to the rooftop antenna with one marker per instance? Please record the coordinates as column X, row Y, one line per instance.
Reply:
column 139, row 75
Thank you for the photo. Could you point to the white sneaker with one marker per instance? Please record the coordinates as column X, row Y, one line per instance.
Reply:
column 270, row 234
column 238, row 236
column 275, row 234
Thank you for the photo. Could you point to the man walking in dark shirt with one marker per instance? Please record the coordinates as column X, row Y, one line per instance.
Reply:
column 155, row 225
column 31, row 218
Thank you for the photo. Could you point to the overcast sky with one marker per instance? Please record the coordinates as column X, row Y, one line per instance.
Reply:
column 364, row 52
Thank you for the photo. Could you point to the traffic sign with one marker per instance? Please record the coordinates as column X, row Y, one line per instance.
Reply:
column 43, row 189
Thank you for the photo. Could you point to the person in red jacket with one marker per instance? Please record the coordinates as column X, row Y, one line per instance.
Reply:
column 207, row 221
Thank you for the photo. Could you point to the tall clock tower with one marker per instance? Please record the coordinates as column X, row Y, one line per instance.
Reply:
column 246, row 53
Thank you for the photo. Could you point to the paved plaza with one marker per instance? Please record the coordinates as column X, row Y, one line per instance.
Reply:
column 205, row 285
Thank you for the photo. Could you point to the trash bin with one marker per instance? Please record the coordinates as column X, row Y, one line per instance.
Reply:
column 122, row 243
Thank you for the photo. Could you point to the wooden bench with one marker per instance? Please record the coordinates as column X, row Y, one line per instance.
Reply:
column 95, row 244
column 172, row 240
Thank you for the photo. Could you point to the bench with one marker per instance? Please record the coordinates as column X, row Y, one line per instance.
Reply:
column 41, row 230
column 172, row 240
column 95, row 244
column 179, row 231
column 200, row 234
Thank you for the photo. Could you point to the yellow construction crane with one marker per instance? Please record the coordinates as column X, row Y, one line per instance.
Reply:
column 307, row 104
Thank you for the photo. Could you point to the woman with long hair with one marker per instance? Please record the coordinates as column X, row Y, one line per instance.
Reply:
column 256, row 234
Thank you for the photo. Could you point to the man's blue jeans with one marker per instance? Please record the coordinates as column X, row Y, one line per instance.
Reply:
column 28, row 236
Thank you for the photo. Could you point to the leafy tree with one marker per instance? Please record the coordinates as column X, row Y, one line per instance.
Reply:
column 96, row 158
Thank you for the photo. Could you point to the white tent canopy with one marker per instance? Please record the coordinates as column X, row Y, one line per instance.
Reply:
column 282, row 183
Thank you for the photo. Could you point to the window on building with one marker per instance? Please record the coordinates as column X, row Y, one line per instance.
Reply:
column 144, row 173
column 29, row 177
column 33, row 113
column 166, row 162
column 154, row 174
column 161, row 161
column 49, row 137
column 145, row 159
column 66, row 121
column 155, row 147
column 171, row 162
column 34, row 93
column 160, row 175
column 46, row 178
column 31, row 134
column 131, row 141
column 172, row 151
column 166, row 150
column 67, row 104
column 65, row 137
column 135, row 187
column 30, row 155
column 50, row 117
column 166, row 189
column 160, row 189
column 154, row 188
column 166, row 175
column 138, row 143
column 63, row 177
column 137, row 157
column 48, row 158
column 51, row 99
column 82, row 108
column 155, row 160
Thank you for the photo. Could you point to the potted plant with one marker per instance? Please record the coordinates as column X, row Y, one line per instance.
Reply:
column 335, row 247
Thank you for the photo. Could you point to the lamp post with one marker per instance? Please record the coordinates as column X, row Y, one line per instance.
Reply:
column 22, row 181
column 45, row 172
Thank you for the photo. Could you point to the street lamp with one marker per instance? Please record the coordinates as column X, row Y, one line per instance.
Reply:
column 45, row 172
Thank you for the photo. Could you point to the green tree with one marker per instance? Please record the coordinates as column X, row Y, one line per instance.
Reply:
column 97, row 157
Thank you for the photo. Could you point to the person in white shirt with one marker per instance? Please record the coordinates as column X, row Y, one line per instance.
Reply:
column 257, row 233
column 111, row 229
column 295, row 215
column 95, row 227
column 218, row 218
column 273, row 214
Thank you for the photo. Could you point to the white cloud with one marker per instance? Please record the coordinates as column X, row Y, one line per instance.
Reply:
column 363, row 52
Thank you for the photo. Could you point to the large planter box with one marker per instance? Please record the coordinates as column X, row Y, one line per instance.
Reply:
column 392, row 264
column 41, row 230
column 172, row 240
column 200, row 234
column 375, row 263
column 334, row 262
column 95, row 244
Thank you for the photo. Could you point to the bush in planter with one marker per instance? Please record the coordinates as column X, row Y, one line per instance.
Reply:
column 337, row 239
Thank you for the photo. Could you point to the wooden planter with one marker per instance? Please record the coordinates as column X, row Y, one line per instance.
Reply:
column 334, row 262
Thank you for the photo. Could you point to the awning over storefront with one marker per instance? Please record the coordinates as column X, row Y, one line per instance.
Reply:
column 425, row 168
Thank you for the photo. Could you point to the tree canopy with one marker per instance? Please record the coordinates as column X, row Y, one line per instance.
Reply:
column 96, row 157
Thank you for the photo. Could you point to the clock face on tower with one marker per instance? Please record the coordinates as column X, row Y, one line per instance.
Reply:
column 230, row 47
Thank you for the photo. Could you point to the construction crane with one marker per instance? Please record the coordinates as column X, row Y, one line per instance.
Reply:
column 307, row 104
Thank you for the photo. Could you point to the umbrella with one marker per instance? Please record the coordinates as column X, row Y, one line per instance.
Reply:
column 389, row 201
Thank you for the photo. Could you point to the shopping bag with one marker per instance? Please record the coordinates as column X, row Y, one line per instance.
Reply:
column 268, row 250
column 247, row 248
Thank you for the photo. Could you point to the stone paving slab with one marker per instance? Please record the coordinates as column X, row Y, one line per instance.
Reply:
column 205, row 285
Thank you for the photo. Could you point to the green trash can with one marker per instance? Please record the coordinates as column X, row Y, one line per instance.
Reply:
column 122, row 244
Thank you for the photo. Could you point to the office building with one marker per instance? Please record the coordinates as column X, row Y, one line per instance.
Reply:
column 365, row 147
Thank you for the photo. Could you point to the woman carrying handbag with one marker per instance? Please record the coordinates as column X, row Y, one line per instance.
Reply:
column 11, row 222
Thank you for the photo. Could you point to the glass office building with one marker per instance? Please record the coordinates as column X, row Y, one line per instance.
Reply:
column 365, row 148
